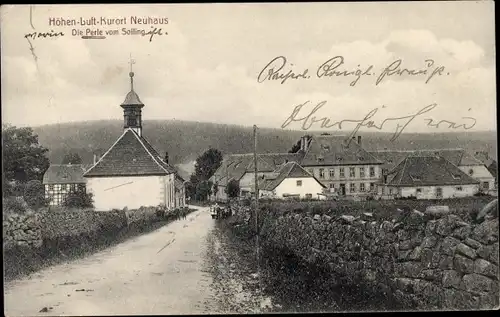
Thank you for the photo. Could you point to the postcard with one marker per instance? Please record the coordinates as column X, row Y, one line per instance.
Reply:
column 249, row 158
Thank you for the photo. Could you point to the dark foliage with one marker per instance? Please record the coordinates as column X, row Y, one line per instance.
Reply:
column 233, row 189
column 72, row 158
column 78, row 199
column 23, row 157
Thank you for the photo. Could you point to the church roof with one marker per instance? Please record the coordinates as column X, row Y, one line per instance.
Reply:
column 131, row 155
column 132, row 98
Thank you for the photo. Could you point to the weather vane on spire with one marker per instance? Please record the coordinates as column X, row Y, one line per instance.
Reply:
column 131, row 74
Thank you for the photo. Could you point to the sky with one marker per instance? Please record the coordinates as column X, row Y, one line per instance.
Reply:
column 207, row 67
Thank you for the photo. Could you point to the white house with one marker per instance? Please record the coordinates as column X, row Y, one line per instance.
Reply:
column 291, row 180
column 131, row 173
column 240, row 167
column 427, row 177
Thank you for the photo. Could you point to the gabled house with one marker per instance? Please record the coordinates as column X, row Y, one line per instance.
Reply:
column 290, row 181
column 427, row 177
column 341, row 164
column 240, row 167
column 61, row 179
column 131, row 173
column 490, row 163
column 458, row 157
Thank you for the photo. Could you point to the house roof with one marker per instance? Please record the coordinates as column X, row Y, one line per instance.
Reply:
column 485, row 157
column 458, row 157
column 336, row 150
column 288, row 170
column 64, row 174
column 234, row 166
column 427, row 171
column 131, row 155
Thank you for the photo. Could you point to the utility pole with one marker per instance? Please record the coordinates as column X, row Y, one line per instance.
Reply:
column 256, row 178
column 256, row 211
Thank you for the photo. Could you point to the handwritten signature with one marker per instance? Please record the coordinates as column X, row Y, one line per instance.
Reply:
column 401, row 122
column 152, row 32
column 36, row 35
column 278, row 69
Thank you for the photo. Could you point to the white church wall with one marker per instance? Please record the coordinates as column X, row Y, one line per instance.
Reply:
column 131, row 192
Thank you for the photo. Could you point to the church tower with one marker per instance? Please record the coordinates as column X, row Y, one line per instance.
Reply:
column 132, row 107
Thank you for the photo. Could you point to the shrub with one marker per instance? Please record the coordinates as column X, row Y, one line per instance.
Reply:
column 14, row 205
column 34, row 194
column 79, row 199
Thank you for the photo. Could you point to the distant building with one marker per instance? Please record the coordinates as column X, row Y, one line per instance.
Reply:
column 427, row 177
column 61, row 179
column 291, row 181
column 131, row 173
column 490, row 163
column 458, row 157
column 240, row 167
column 341, row 164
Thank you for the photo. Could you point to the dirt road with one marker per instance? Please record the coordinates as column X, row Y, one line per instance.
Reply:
column 163, row 272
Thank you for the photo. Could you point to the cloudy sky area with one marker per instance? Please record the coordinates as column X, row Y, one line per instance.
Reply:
column 206, row 69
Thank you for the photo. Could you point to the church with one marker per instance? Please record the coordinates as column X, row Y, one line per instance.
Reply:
column 131, row 173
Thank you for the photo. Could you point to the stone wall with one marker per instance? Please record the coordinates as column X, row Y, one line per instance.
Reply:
column 21, row 230
column 429, row 262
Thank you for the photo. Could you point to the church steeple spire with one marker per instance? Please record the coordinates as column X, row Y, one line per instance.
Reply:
column 131, row 74
column 132, row 106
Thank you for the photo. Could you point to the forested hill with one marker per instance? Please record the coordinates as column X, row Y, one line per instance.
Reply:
column 184, row 140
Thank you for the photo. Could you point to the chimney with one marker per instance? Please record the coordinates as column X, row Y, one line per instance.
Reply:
column 359, row 139
column 303, row 143
column 166, row 157
column 95, row 158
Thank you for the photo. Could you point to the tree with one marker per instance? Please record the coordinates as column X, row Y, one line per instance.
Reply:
column 199, row 186
column 207, row 164
column 23, row 157
column 215, row 190
column 72, row 158
column 78, row 199
column 296, row 146
column 203, row 190
column 34, row 194
column 233, row 188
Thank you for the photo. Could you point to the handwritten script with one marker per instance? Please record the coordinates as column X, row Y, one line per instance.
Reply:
column 278, row 69
column 311, row 119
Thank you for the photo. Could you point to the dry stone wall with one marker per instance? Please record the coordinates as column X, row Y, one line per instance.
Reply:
column 21, row 230
column 428, row 261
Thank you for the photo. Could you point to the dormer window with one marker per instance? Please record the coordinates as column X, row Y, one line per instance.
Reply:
column 456, row 176
column 389, row 160
column 339, row 159
column 471, row 172
column 360, row 158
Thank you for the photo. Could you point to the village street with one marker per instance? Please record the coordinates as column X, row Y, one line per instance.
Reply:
column 177, row 269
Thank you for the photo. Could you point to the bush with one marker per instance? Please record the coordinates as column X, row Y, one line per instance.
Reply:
column 78, row 199
column 34, row 194
column 14, row 205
